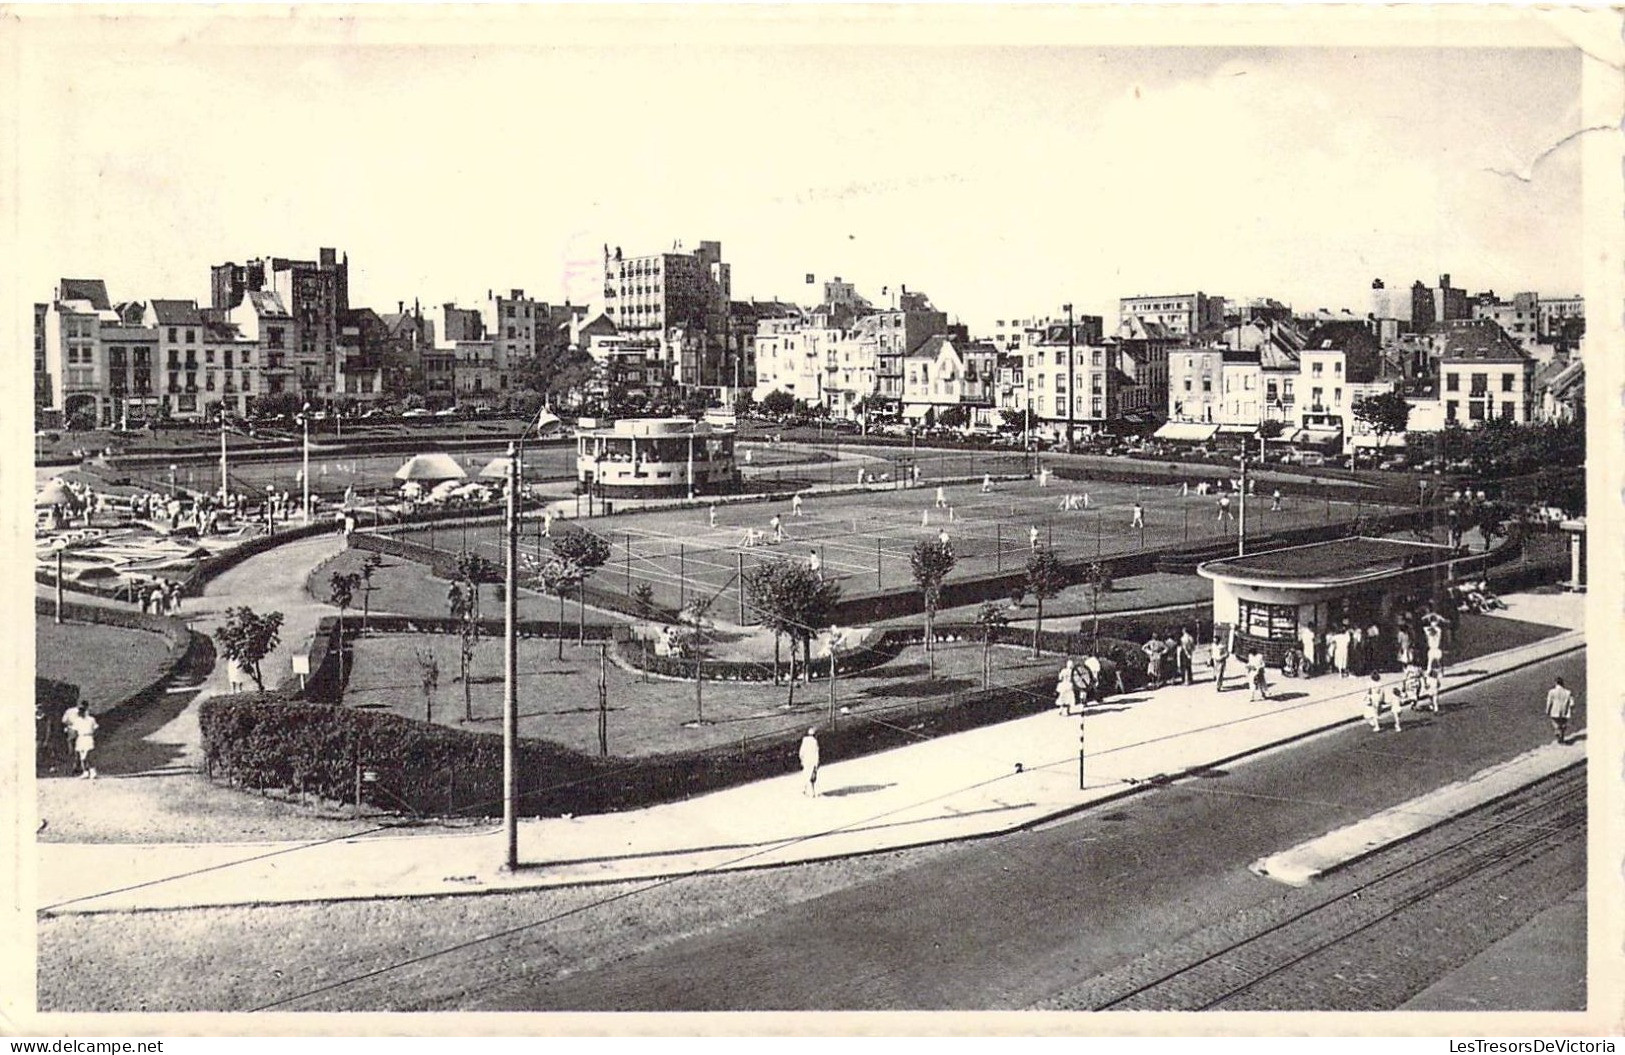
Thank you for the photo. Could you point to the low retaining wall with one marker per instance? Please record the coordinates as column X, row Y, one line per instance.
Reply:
column 178, row 638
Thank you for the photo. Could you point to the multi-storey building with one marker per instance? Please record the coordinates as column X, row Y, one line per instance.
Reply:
column 895, row 333
column 1484, row 374
column 944, row 373
column 682, row 297
column 1182, row 314
column 263, row 320
column 314, row 292
column 230, row 365
column 1341, row 364
column 1519, row 318
column 42, row 372
column 364, row 349
column 1556, row 316
column 179, row 325
column 74, row 360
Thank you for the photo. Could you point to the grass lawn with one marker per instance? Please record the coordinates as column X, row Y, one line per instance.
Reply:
column 405, row 587
column 239, row 959
column 558, row 700
column 106, row 662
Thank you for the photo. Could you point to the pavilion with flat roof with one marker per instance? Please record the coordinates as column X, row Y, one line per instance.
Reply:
column 1268, row 597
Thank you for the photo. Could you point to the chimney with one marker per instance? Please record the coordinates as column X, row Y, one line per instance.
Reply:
column 400, row 307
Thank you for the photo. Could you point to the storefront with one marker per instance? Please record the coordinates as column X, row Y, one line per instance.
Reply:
column 1268, row 597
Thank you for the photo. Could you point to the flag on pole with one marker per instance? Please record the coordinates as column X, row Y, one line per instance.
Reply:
column 809, row 278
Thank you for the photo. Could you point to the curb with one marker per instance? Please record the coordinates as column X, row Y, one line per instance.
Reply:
column 658, row 874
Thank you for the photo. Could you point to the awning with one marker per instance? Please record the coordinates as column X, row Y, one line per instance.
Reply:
column 430, row 467
column 1288, row 434
column 1238, row 430
column 1318, row 437
column 1371, row 439
column 1188, row 431
column 916, row 411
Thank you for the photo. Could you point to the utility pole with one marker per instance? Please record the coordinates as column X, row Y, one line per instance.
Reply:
column 1241, row 535
column 1071, row 402
column 304, row 419
column 510, row 669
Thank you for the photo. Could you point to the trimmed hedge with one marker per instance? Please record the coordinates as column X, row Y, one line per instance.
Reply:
column 270, row 741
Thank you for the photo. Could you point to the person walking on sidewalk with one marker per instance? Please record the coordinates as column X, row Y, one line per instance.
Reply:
column 1339, row 645
column 1066, row 688
column 1139, row 516
column 1560, row 708
column 809, row 762
column 81, row 725
column 1218, row 657
column 1256, row 684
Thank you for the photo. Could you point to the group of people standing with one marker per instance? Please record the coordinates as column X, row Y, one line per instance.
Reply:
column 161, row 598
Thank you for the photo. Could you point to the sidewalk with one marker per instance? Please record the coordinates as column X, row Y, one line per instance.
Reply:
column 978, row 783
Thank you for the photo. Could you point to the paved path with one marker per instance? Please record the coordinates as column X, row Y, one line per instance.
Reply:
column 994, row 779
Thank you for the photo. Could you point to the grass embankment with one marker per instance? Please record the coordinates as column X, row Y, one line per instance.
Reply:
column 108, row 663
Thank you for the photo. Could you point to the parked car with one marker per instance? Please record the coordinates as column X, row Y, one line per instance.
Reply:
column 418, row 412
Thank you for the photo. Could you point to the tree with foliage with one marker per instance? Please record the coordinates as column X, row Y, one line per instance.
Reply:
column 954, row 417
column 462, row 605
column 1097, row 576
column 930, row 563
column 744, row 404
column 472, row 570
column 342, row 588
column 990, row 619
column 428, row 679
column 1271, row 428
column 279, row 404
column 1045, row 578
column 560, row 577
column 588, row 552
column 794, row 601
column 778, row 403
column 246, row 638
column 1386, row 413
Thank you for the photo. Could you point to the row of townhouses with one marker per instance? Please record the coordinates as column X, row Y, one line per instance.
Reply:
column 1195, row 363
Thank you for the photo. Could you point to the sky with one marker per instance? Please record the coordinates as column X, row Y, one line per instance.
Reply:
column 1002, row 180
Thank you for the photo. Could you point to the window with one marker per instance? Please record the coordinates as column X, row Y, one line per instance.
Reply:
column 1506, row 382
column 1452, row 383
column 208, row 355
column 1506, row 410
column 191, row 336
column 1337, row 397
column 172, row 337
column 1187, row 384
column 1481, row 384
column 1475, row 410
column 1272, row 622
column 1270, row 392
column 1315, row 368
column 1207, row 384
column 1337, row 366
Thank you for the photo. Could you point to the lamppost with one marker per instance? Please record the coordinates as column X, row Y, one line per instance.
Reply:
column 837, row 638
column 225, row 486
column 1071, row 401
column 60, row 546
column 304, row 421
column 510, row 667
column 173, row 469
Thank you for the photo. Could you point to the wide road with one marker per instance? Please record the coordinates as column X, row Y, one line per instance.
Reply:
column 1025, row 919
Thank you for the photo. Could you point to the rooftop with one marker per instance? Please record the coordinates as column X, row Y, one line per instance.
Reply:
column 1327, row 563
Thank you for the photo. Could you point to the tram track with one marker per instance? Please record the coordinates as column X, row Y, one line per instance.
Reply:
column 1270, row 956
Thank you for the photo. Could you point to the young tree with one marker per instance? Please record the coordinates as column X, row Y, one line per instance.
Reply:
column 692, row 641
column 368, row 567
column 931, row 561
column 1098, row 578
column 247, row 638
column 990, row 619
column 460, row 603
column 1045, row 577
column 342, row 587
column 429, row 679
column 587, row 552
column 560, row 576
column 472, row 570
column 1386, row 413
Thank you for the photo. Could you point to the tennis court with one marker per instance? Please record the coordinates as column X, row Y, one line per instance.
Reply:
column 863, row 539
